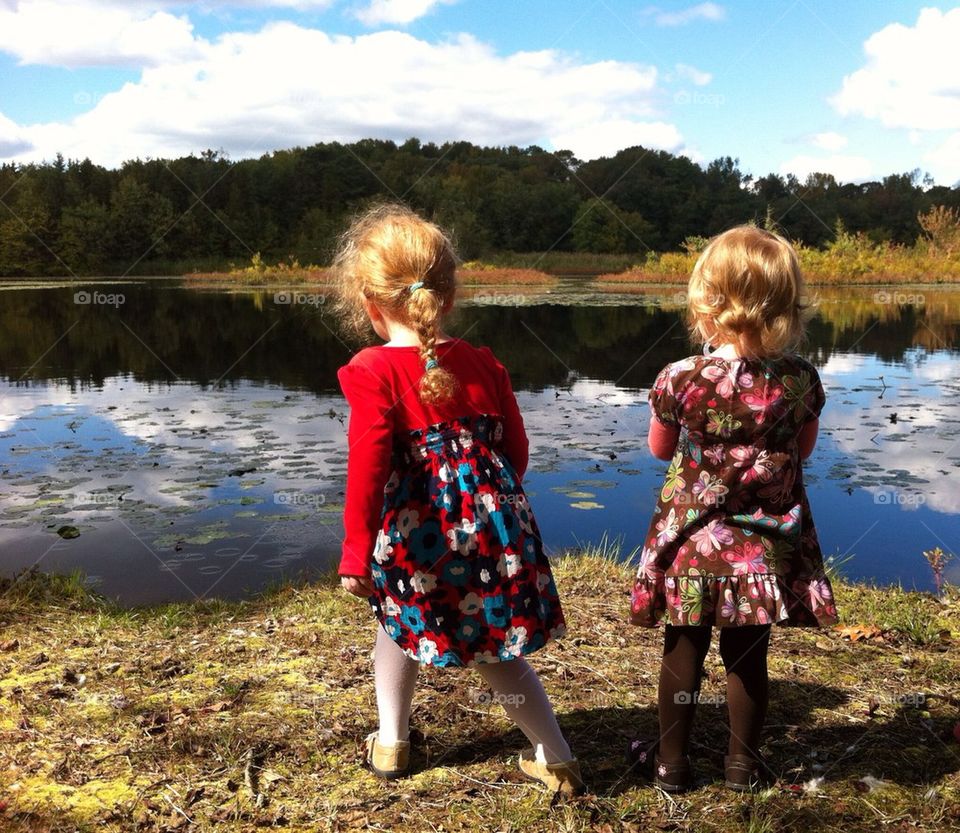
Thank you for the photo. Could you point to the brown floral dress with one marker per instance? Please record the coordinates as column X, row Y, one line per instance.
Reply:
column 732, row 540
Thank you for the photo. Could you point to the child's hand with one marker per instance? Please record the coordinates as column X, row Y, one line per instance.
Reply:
column 357, row 586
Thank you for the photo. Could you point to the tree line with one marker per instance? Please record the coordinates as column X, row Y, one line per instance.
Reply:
column 156, row 215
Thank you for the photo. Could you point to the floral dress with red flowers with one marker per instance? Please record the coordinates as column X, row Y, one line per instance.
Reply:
column 454, row 553
column 732, row 540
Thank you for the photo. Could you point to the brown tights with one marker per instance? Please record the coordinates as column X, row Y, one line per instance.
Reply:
column 744, row 653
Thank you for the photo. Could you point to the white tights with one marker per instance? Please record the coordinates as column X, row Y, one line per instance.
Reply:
column 515, row 686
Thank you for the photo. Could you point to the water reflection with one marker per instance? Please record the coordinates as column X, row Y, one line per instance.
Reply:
column 195, row 438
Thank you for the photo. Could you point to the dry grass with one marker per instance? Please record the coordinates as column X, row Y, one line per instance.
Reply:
column 239, row 716
column 258, row 273
column 850, row 259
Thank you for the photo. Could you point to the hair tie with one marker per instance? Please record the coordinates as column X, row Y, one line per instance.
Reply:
column 432, row 363
column 415, row 286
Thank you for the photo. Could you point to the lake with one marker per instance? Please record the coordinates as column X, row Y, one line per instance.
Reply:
column 194, row 437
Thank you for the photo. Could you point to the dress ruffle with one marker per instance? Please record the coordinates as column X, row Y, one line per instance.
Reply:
column 725, row 601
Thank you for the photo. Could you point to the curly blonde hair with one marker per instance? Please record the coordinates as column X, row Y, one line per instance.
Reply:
column 407, row 267
column 747, row 289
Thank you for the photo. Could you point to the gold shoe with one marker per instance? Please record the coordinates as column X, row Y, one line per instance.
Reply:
column 563, row 777
column 388, row 762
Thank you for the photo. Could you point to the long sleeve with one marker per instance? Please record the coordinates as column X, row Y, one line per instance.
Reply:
column 662, row 439
column 807, row 438
column 370, row 439
column 516, row 446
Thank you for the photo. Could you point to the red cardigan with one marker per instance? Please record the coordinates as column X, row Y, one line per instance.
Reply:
column 380, row 384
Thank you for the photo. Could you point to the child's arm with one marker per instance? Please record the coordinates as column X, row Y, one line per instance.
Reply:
column 516, row 446
column 807, row 438
column 664, row 431
column 370, row 439
column 662, row 439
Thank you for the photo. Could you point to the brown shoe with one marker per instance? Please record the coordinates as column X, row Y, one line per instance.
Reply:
column 742, row 773
column 388, row 762
column 563, row 777
column 672, row 778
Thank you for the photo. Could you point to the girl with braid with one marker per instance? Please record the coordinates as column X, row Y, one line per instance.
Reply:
column 439, row 536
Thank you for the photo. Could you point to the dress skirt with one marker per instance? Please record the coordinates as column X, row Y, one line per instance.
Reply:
column 459, row 572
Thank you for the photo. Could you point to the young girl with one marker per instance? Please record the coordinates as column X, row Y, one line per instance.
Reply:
column 439, row 534
column 732, row 542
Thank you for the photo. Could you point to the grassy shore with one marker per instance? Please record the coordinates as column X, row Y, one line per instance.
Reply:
column 258, row 273
column 241, row 716
column 849, row 260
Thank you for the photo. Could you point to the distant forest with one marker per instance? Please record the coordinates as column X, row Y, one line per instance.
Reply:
column 158, row 216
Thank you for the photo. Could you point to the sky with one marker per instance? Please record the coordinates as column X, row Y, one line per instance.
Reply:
column 860, row 89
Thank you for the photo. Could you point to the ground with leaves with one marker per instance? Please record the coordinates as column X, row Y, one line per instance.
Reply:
column 237, row 716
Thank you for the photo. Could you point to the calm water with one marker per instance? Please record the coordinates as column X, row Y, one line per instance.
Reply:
column 195, row 437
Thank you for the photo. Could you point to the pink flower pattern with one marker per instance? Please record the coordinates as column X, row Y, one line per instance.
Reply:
column 732, row 541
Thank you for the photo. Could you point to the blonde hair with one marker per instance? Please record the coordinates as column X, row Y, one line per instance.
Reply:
column 407, row 267
column 746, row 289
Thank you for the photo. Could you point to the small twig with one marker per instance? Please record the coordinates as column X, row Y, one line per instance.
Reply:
column 177, row 809
column 251, row 778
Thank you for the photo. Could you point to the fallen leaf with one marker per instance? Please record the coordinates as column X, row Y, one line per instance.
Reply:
column 857, row 632
column 10, row 645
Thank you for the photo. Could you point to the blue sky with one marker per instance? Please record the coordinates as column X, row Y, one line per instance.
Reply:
column 859, row 89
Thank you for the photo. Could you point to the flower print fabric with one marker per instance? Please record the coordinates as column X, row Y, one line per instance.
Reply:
column 458, row 569
column 732, row 540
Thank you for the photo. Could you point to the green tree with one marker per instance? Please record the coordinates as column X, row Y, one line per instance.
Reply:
column 140, row 219
column 85, row 236
column 602, row 227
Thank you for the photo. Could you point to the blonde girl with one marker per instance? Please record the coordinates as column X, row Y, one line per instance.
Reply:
column 439, row 534
column 732, row 543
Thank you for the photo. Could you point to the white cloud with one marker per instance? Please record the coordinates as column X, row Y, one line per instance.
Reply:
column 845, row 168
column 945, row 159
column 287, row 85
column 12, row 140
column 701, row 11
column 910, row 79
column 693, row 75
column 829, row 141
column 397, row 11
column 605, row 138
column 95, row 34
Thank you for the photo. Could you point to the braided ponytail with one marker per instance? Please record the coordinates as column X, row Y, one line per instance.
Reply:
column 425, row 312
